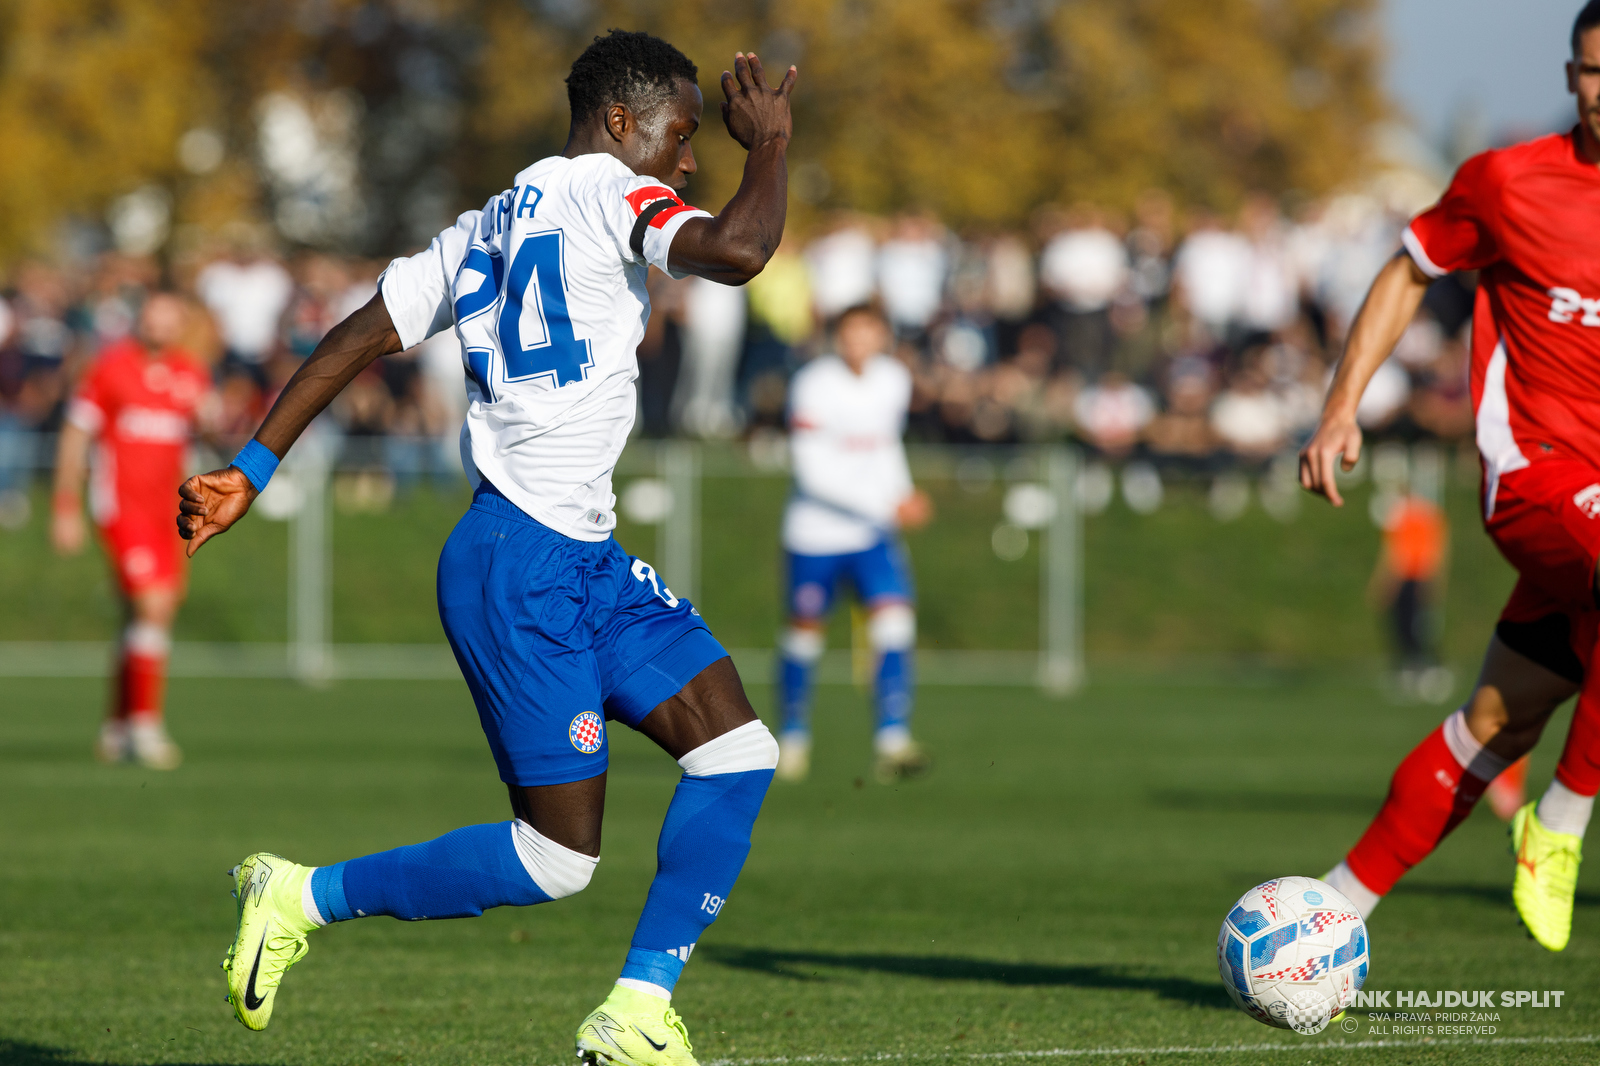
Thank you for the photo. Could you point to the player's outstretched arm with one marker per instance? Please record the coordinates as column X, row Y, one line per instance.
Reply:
column 210, row 503
column 734, row 246
column 1390, row 304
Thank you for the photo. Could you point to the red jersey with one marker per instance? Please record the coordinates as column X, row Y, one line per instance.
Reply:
column 142, row 410
column 1528, row 218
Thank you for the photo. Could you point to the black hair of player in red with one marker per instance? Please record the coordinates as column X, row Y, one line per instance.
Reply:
column 625, row 67
column 1587, row 20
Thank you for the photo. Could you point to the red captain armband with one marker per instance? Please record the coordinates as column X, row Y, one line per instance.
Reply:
column 654, row 205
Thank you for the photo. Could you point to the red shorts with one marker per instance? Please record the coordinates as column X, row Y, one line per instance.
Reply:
column 145, row 553
column 1546, row 522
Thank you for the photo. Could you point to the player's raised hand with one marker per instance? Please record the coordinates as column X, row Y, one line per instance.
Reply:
column 754, row 112
column 1337, row 440
column 210, row 503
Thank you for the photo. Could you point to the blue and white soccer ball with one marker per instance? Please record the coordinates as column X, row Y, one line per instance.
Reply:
column 1293, row 953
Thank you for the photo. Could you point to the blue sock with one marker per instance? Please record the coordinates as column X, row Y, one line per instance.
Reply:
column 893, row 690
column 794, row 683
column 460, row 875
column 704, row 842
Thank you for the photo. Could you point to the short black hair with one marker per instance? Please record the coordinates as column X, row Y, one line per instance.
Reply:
column 1587, row 20
column 625, row 67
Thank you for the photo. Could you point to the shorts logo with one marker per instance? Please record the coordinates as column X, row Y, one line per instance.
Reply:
column 1588, row 500
column 586, row 732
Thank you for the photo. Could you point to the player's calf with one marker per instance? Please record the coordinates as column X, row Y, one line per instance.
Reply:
column 892, row 631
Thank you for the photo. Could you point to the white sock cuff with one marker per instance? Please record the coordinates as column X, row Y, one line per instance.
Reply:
column 803, row 645
column 1472, row 756
column 738, row 751
column 1565, row 811
column 308, row 902
column 892, row 627
column 1343, row 879
column 558, row 871
column 146, row 638
column 646, row 987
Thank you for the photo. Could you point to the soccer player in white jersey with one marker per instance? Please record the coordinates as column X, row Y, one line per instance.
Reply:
column 554, row 627
column 852, row 495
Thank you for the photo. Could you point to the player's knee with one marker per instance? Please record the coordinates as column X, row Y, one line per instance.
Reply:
column 749, row 747
column 147, row 638
column 803, row 644
column 893, row 627
column 558, row 871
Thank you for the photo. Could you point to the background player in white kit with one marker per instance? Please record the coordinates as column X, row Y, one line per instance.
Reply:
column 852, row 495
column 555, row 628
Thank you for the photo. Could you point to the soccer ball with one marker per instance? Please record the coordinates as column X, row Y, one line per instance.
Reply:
column 1293, row 953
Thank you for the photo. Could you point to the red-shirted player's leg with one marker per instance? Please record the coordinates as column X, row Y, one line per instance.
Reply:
column 1569, row 801
column 1436, row 786
column 150, row 573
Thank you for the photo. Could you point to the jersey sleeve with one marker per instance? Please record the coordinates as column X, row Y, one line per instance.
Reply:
column 644, row 216
column 1458, row 232
column 91, row 401
column 416, row 289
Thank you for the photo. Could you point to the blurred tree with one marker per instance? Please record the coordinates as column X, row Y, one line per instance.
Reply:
column 1208, row 100
column 94, row 95
column 365, row 125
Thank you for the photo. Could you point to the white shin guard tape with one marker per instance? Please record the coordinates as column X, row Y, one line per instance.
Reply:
column 893, row 628
column 750, row 747
column 1473, row 757
column 146, row 638
column 559, row 872
column 803, row 645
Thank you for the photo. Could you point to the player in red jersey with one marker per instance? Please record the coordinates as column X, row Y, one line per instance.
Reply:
column 137, row 407
column 1526, row 217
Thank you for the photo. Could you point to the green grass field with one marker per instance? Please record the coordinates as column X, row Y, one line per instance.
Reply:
column 1055, row 886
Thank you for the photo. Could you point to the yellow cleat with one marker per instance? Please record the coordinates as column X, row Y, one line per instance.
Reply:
column 271, row 936
column 633, row 1028
column 1546, row 879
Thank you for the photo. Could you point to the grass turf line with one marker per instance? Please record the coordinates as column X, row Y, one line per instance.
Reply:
column 1056, row 884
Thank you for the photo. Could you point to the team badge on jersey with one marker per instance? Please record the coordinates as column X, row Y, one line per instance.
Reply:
column 586, row 732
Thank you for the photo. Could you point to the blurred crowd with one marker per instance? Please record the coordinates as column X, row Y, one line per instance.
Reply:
column 1196, row 344
column 1200, row 344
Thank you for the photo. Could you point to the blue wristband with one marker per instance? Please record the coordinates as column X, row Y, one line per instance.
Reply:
column 256, row 462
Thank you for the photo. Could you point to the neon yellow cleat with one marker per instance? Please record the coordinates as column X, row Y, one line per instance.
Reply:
column 632, row 1028
column 272, row 934
column 1546, row 878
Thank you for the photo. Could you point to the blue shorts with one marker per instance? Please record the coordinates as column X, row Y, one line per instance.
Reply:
column 881, row 574
column 555, row 635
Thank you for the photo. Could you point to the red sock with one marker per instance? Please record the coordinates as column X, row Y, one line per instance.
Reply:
column 1579, row 768
column 1429, row 796
column 144, row 683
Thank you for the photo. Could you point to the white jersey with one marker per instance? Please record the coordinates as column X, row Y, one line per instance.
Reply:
column 850, row 471
column 547, row 296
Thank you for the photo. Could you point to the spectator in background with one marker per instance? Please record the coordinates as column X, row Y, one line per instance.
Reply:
column 1112, row 414
column 248, row 293
column 1247, row 417
column 1211, row 269
column 661, row 353
column 1415, row 543
column 1150, row 249
column 16, row 442
column 911, row 272
column 713, row 337
column 320, row 284
column 780, row 323
column 843, row 267
column 1182, row 433
column 1270, row 298
column 1083, row 268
